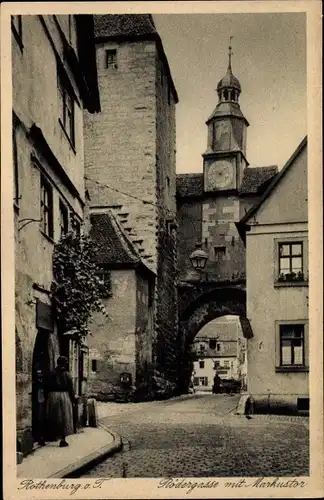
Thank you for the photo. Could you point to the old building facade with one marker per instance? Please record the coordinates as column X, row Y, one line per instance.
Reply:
column 208, row 206
column 130, row 162
column 275, row 232
column 122, row 341
column 219, row 347
column 51, row 87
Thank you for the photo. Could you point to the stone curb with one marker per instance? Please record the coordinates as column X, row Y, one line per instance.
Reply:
column 91, row 460
column 243, row 404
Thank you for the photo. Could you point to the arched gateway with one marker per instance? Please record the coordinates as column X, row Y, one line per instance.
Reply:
column 200, row 311
column 209, row 306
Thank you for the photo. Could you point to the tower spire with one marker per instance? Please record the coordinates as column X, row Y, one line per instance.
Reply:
column 230, row 53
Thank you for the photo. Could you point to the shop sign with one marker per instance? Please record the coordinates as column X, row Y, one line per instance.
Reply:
column 44, row 316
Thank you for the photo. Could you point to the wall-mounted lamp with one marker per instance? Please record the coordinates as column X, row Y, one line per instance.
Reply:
column 198, row 258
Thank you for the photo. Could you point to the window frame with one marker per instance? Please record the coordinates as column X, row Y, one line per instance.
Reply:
column 113, row 62
column 67, row 103
column 94, row 364
column 220, row 253
column 289, row 280
column 279, row 367
column 64, row 227
column 203, row 381
column 201, row 364
column 212, row 342
column 105, row 276
column 46, row 207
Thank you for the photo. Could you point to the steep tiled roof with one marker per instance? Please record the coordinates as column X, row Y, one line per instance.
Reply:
column 255, row 178
column 123, row 25
column 190, row 185
column 113, row 245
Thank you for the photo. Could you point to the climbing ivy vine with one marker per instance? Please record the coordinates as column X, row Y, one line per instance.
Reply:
column 77, row 289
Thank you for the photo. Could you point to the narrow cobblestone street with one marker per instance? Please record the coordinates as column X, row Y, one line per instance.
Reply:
column 199, row 436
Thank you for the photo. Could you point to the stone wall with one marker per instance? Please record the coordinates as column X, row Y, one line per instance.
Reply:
column 166, row 293
column 144, row 335
column 120, row 142
column 221, row 239
column 112, row 344
column 35, row 101
column 130, row 146
column 189, row 213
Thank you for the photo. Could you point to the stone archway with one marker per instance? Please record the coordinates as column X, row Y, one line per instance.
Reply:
column 205, row 308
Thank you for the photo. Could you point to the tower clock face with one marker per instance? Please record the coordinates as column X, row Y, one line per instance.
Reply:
column 220, row 175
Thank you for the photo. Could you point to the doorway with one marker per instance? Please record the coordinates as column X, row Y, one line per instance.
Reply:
column 40, row 370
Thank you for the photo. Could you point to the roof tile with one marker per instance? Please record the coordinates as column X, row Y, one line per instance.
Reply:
column 113, row 246
column 255, row 179
column 125, row 25
column 190, row 185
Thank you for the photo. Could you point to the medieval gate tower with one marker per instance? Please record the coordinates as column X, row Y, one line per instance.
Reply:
column 209, row 205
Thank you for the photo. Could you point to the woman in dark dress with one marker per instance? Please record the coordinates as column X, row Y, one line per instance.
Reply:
column 60, row 397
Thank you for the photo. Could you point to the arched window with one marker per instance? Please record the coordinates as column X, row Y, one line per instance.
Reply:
column 226, row 95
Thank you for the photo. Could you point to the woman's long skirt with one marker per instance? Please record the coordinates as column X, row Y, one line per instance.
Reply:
column 59, row 414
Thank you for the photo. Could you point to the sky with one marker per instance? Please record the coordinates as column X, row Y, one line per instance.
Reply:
column 269, row 59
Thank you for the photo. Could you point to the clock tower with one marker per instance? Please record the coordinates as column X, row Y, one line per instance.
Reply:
column 224, row 159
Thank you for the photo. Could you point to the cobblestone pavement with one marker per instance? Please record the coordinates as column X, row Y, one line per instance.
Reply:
column 199, row 436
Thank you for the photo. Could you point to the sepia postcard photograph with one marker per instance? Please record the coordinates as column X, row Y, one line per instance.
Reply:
column 162, row 276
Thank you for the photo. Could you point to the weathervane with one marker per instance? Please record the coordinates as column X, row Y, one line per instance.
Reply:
column 230, row 52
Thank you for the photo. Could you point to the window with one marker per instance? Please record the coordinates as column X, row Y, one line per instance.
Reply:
column 290, row 260
column 105, row 283
column 216, row 364
column 66, row 103
column 212, row 344
column 15, row 167
column 93, row 365
column 111, row 58
column 220, row 252
column 226, row 364
column 203, row 381
column 201, row 364
column 196, row 380
column 77, row 228
column 292, row 345
column 46, row 207
column 16, row 26
column 202, row 347
column 64, row 219
column 218, row 347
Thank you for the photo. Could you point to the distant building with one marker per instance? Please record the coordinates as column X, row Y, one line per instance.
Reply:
column 275, row 232
column 53, row 78
column 130, row 168
column 123, row 342
column 219, row 347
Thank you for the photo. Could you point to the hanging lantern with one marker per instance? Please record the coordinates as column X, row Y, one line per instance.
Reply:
column 198, row 258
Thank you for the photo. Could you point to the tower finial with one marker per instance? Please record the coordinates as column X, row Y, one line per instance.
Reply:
column 230, row 53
